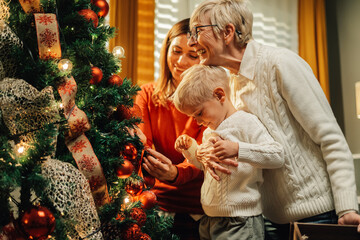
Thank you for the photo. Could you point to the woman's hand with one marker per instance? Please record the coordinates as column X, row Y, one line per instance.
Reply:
column 223, row 148
column 183, row 142
column 351, row 218
column 159, row 166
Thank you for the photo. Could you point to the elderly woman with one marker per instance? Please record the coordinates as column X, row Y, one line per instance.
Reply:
column 178, row 183
column 317, row 182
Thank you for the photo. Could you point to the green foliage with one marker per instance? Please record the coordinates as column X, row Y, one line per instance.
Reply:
column 85, row 46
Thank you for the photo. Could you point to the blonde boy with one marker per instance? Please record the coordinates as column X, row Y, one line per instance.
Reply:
column 230, row 201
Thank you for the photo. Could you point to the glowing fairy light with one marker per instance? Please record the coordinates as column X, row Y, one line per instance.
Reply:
column 65, row 65
column 126, row 200
column 21, row 149
column 118, row 52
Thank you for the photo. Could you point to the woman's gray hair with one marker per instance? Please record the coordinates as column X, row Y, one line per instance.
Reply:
column 223, row 12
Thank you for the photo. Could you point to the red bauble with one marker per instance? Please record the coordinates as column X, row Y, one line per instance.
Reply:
column 130, row 232
column 125, row 170
column 96, row 75
column 122, row 112
column 90, row 15
column 139, row 215
column 148, row 199
column 130, row 152
column 134, row 187
column 37, row 222
column 104, row 7
column 115, row 80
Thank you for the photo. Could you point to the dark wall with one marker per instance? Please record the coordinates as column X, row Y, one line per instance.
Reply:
column 336, row 99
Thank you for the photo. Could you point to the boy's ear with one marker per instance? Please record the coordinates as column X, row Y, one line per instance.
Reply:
column 219, row 94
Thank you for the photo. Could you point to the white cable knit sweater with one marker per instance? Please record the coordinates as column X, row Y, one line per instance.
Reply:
column 238, row 194
column 318, row 175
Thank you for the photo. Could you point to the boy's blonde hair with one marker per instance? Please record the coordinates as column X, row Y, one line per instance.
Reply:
column 198, row 84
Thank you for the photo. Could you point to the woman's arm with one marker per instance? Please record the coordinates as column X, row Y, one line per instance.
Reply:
column 309, row 106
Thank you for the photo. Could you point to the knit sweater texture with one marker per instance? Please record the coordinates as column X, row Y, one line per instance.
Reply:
column 162, row 125
column 280, row 88
column 237, row 194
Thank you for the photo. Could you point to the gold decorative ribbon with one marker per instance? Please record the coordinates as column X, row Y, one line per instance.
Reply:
column 30, row 6
column 79, row 145
column 47, row 31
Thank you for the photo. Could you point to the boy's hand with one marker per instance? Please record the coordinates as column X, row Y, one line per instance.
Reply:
column 224, row 149
column 183, row 142
column 136, row 130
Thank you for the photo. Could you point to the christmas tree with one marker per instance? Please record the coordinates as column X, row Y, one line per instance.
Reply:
column 69, row 163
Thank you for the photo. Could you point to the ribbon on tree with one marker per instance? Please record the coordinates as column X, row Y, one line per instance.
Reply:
column 47, row 31
column 30, row 6
column 79, row 145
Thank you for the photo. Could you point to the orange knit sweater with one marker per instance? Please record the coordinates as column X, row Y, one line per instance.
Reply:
column 162, row 126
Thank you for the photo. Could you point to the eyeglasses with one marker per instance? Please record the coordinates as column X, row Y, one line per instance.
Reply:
column 193, row 34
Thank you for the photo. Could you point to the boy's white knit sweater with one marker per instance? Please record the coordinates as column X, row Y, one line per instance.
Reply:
column 318, row 175
column 238, row 194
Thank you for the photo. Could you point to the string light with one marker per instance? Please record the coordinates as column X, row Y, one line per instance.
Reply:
column 126, row 203
column 118, row 52
column 65, row 65
column 127, row 200
column 21, row 149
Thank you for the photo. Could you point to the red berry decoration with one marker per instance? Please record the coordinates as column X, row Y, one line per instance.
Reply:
column 144, row 236
column 125, row 170
column 139, row 215
column 148, row 199
column 96, row 75
column 115, row 80
column 134, row 187
column 130, row 232
column 104, row 7
column 90, row 15
column 37, row 222
column 120, row 217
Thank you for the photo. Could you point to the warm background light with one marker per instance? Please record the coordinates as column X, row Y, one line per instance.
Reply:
column 357, row 94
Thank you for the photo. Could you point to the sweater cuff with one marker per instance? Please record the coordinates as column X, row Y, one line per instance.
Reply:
column 190, row 153
column 342, row 213
column 345, row 201
column 244, row 151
